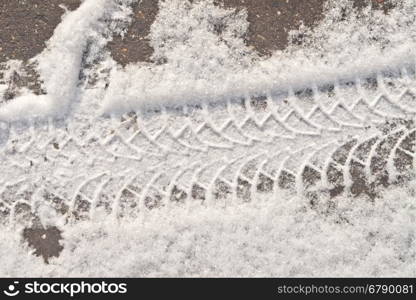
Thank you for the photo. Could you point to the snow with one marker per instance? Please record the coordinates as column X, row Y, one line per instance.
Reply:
column 60, row 63
column 277, row 236
column 202, row 66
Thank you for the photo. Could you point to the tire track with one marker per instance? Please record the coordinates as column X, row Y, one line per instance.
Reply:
column 314, row 143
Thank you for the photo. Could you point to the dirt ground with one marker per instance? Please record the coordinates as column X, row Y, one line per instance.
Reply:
column 270, row 23
column 26, row 25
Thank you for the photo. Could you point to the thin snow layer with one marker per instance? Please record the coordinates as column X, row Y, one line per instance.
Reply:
column 202, row 56
column 274, row 237
column 206, row 64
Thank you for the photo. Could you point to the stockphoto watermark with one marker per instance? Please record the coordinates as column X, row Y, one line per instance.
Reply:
column 71, row 289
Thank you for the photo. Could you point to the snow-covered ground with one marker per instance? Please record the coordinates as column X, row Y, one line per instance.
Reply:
column 217, row 162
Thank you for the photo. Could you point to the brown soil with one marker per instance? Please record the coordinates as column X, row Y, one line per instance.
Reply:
column 134, row 46
column 271, row 20
column 45, row 242
column 26, row 25
column 270, row 24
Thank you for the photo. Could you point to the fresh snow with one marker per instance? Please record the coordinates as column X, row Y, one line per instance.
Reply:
column 71, row 142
